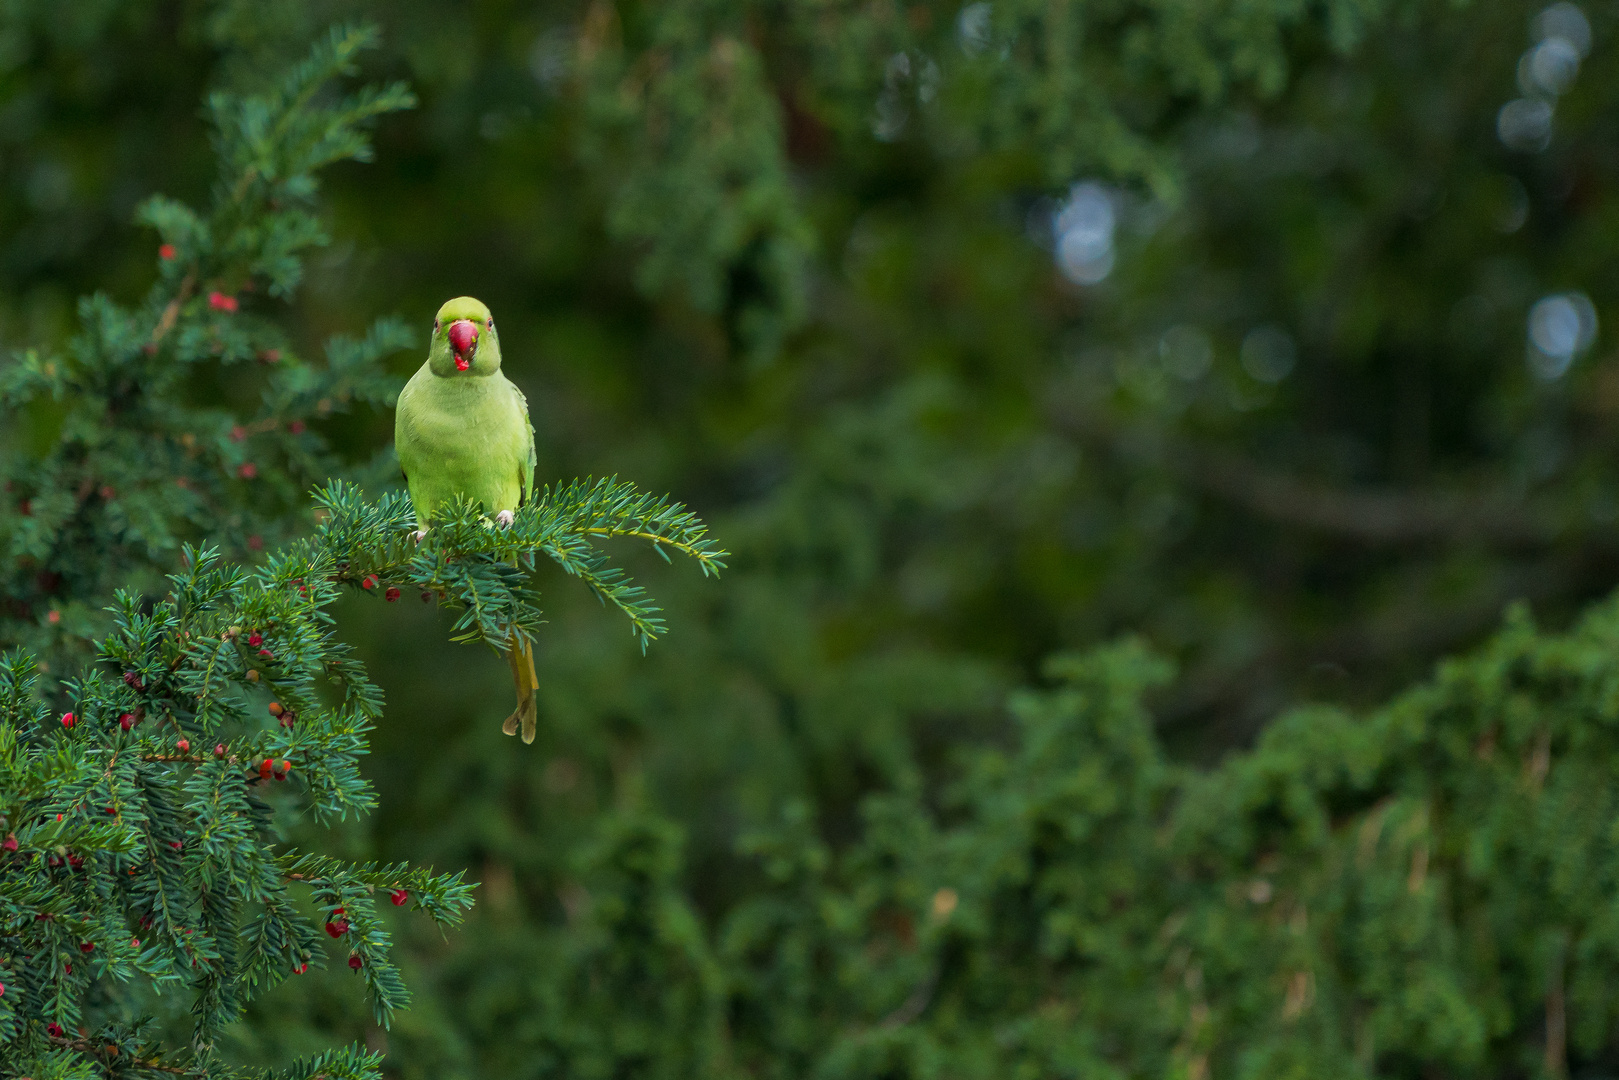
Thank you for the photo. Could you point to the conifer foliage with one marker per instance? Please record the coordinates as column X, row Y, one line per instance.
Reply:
column 132, row 470
column 149, row 762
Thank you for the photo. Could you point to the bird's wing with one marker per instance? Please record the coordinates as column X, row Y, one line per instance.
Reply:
column 525, row 471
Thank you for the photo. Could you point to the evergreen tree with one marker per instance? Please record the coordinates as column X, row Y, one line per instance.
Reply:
column 146, row 788
column 1261, row 388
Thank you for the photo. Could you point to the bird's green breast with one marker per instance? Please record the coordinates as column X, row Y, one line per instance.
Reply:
column 462, row 436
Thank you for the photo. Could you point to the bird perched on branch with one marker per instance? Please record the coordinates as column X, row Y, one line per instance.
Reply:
column 462, row 428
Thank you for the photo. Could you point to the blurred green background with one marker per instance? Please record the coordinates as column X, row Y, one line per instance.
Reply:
column 1281, row 341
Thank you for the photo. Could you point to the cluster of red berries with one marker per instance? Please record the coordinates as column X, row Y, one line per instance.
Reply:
column 370, row 581
column 269, row 768
column 337, row 926
column 221, row 301
column 282, row 713
column 255, row 640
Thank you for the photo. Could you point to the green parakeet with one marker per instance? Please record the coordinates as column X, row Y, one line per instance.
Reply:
column 462, row 428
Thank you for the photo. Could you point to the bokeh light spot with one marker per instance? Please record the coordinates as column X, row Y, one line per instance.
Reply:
column 1268, row 353
column 1083, row 230
column 1560, row 328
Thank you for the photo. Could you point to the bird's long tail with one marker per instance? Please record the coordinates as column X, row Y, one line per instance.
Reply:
column 521, row 655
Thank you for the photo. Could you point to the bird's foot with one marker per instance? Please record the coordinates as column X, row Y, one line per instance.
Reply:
column 524, row 719
column 504, row 518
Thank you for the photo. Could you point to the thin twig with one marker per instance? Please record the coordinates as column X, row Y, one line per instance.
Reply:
column 171, row 313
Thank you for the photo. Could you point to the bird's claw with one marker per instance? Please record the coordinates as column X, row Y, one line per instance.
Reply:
column 419, row 535
column 504, row 518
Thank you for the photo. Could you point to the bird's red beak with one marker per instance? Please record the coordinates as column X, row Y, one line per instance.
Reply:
column 463, row 336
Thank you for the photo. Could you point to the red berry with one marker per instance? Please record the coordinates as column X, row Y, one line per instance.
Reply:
column 58, row 817
column 10, row 842
column 267, row 654
column 166, row 251
column 285, row 770
column 132, row 679
column 75, row 861
column 354, row 962
column 255, row 639
column 300, row 969
column 220, row 302
column 370, row 582
column 2, row 989
column 176, row 844
column 427, row 597
column 399, row 897
column 87, row 946
column 247, row 470
column 184, row 745
column 392, row 595
column 296, row 427
column 219, row 749
column 266, row 767
column 276, row 708
column 68, row 720
column 53, row 617
column 255, row 542
column 53, row 1029
column 238, row 433
column 270, row 356
column 127, row 721
column 337, row 928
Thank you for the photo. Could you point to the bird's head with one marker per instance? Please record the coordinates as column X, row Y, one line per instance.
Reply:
column 464, row 340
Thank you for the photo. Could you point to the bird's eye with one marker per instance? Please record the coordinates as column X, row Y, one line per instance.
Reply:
column 490, row 323
column 435, row 325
